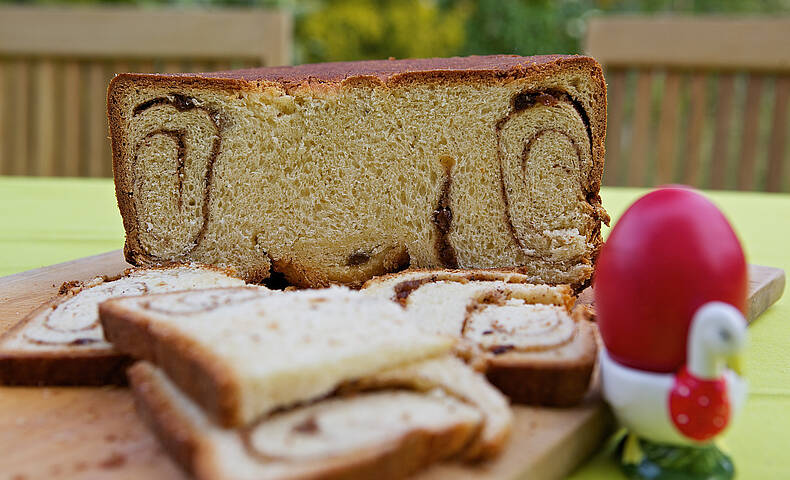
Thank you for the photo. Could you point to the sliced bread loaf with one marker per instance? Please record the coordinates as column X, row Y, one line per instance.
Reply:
column 523, row 336
column 61, row 342
column 339, row 172
column 382, row 434
column 254, row 354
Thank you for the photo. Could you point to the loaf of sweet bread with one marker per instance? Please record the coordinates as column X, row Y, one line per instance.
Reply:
column 334, row 173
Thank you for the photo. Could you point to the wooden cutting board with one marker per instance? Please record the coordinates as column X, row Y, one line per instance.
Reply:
column 70, row 433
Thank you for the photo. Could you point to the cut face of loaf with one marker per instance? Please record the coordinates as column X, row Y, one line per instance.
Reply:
column 61, row 342
column 384, row 434
column 339, row 172
column 524, row 336
column 254, row 353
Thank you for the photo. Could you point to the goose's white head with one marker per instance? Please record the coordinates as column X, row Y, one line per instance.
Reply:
column 718, row 334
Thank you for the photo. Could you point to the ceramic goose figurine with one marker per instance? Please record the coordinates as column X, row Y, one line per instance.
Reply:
column 670, row 285
column 693, row 405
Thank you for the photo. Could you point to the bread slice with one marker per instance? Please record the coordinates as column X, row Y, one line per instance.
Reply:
column 254, row 354
column 385, row 434
column 334, row 173
column 523, row 336
column 453, row 377
column 61, row 342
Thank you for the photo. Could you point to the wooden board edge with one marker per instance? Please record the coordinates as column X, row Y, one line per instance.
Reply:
column 766, row 286
column 22, row 292
column 576, row 447
column 97, row 262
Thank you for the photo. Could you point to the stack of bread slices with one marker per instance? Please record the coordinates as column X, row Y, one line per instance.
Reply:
column 317, row 384
column 246, row 382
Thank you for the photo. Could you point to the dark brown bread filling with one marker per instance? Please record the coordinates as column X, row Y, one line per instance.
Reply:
column 443, row 218
column 183, row 103
column 521, row 102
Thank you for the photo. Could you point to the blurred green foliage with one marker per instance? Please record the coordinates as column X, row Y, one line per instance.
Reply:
column 330, row 30
column 368, row 29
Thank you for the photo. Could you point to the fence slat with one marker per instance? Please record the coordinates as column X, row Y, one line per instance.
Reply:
column 201, row 67
column 222, row 66
column 147, row 67
column 616, row 94
column 172, row 67
column 751, row 122
column 637, row 163
column 121, row 67
column 18, row 137
column 691, row 156
column 4, row 163
column 721, row 138
column 71, row 119
column 776, row 149
column 668, row 129
column 97, row 132
column 43, row 128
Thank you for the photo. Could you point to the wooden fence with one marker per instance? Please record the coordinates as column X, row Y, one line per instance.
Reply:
column 696, row 100
column 55, row 64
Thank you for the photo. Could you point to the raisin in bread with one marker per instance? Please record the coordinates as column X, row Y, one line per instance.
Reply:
column 61, row 342
column 384, row 434
column 256, row 353
column 334, row 173
column 525, row 337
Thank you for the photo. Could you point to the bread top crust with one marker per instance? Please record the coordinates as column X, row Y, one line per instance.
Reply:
column 386, row 72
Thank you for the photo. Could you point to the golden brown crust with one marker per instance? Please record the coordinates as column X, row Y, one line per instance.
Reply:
column 191, row 366
column 320, row 78
column 393, row 70
column 298, row 275
column 173, row 429
column 85, row 368
column 185, row 443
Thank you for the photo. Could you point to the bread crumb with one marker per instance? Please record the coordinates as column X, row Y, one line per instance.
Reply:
column 115, row 460
column 307, row 426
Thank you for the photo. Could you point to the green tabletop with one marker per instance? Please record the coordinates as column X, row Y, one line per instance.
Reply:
column 46, row 221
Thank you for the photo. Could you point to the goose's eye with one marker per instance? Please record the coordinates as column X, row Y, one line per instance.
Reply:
column 725, row 335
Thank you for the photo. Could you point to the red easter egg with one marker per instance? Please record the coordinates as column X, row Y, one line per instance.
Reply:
column 671, row 252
